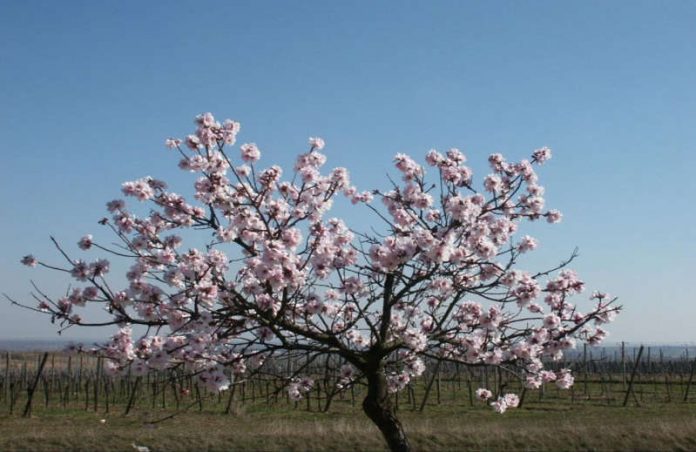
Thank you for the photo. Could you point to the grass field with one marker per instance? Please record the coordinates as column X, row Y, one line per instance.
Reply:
column 536, row 426
column 77, row 408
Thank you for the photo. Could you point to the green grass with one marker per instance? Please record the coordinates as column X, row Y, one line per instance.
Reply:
column 546, row 425
column 588, row 417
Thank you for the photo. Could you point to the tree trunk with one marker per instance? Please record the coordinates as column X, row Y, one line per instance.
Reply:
column 378, row 407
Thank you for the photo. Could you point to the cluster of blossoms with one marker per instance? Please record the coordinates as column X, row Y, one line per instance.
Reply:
column 298, row 387
column 563, row 379
column 279, row 276
column 411, row 366
column 502, row 403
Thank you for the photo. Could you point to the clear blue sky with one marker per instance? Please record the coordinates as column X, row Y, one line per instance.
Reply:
column 89, row 90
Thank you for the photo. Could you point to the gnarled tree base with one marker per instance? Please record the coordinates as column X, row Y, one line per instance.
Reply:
column 379, row 409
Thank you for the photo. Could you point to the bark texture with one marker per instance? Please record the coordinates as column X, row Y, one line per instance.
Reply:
column 378, row 407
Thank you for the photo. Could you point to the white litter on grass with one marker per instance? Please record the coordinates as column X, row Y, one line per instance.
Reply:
column 140, row 448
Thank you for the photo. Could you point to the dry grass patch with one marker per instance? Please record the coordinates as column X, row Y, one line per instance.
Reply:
column 536, row 427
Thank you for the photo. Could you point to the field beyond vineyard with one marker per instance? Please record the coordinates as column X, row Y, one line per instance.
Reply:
column 78, row 407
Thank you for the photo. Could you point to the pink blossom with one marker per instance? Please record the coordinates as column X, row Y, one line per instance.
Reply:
column 215, row 380
column 497, row 162
column 527, row 244
column 564, row 379
column 499, row 405
column 456, row 156
column 250, row 152
column 205, row 120
column 80, row 271
column 408, row 167
column 172, row 143
column 511, row 400
column 598, row 337
column 142, row 189
column 434, row 158
column 483, row 394
column 398, row 381
column 316, row 143
column 85, row 242
column 193, row 142
column 230, row 129
column 297, row 388
column 29, row 261
column 493, row 183
column 554, row 216
column 541, row 155
column 99, row 268
column 243, row 170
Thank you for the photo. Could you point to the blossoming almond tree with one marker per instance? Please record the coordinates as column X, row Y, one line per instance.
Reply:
column 279, row 276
